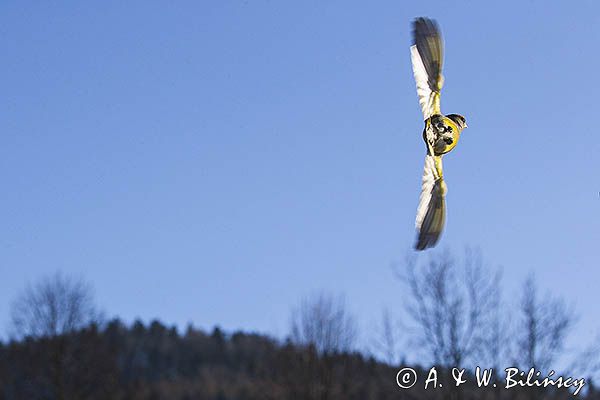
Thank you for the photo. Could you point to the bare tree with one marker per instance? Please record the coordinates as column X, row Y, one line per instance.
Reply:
column 451, row 308
column 53, row 306
column 386, row 343
column 542, row 329
column 587, row 361
column 324, row 322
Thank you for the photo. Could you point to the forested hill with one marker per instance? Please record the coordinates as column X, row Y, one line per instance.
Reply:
column 156, row 362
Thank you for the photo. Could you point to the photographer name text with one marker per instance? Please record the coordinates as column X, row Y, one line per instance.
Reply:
column 513, row 378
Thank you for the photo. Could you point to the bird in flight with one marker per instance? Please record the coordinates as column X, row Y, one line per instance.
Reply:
column 441, row 132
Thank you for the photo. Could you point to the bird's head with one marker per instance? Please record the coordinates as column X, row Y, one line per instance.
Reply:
column 460, row 121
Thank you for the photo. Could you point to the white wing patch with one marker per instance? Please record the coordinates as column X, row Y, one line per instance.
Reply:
column 426, row 95
column 430, row 176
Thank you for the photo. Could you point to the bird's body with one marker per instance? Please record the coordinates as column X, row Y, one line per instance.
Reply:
column 444, row 133
column 441, row 132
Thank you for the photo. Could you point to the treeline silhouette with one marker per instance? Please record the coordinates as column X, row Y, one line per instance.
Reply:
column 156, row 362
column 62, row 348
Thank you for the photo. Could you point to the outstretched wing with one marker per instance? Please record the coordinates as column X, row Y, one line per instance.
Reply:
column 431, row 213
column 427, row 56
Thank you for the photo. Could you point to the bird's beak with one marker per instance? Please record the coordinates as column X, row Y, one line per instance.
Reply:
column 466, row 126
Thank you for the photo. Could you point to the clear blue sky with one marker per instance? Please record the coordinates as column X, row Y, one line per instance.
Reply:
column 213, row 162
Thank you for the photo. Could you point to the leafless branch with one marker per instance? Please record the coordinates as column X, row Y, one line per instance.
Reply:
column 324, row 322
column 52, row 306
